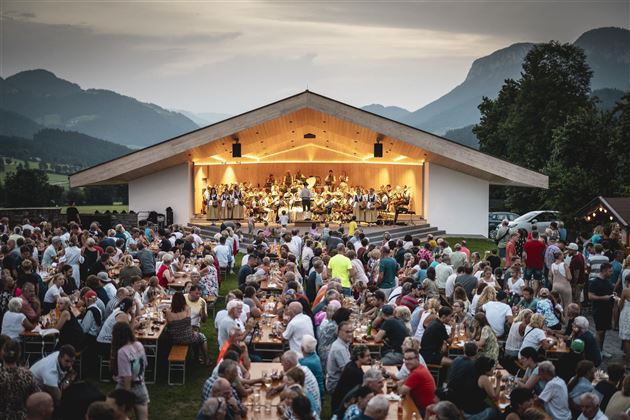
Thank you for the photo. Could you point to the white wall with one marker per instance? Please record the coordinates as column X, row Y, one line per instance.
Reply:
column 456, row 202
column 170, row 187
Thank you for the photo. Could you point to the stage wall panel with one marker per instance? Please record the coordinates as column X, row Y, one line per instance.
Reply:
column 367, row 175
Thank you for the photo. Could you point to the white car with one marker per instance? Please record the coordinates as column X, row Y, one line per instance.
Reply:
column 541, row 218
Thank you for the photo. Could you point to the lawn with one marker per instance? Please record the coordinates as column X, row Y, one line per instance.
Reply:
column 183, row 402
column 480, row 245
column 53, row 178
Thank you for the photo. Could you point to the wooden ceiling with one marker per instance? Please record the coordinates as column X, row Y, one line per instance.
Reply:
column 282, row 140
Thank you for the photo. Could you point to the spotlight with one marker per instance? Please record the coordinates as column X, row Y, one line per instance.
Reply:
column 236, row 148
column 378, row 147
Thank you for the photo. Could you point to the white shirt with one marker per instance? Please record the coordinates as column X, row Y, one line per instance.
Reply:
column 532, row 337
column 52, row 294
column 514, row 339
column 442, row 271
column 12, row 324
column 284, row 220
column 307, row 255
column 598, row 416
column 450, row 285
column 473, row 304
column 360, row 271
column 223, row 255
column 517, row 286
column 556, row 398
column 497, row 312
column 47, row 370
column 197, row 239
column 227, row 323
column 295, row 246
column 110, row 289
column 299, row 326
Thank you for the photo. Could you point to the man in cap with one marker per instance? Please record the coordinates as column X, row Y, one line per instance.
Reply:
column 108, row 284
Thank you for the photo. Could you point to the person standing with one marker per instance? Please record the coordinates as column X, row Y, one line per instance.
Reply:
column 577, row 267
column 600, row 293
column 339, row 355
column 340, row 266
column 560, row 277
column 442, row 273
column 388, row 267
column 129, row 363
column 54, row 372
column 502, row 237
column 305, row 195
column 16, row 383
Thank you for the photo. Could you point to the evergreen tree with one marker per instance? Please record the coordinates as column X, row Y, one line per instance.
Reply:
column 30, row 188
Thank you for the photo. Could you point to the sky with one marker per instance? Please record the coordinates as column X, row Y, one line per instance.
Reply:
column 232, row 56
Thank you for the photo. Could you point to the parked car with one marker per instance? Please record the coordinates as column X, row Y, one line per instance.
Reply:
column 541, row 218
column 495, row 218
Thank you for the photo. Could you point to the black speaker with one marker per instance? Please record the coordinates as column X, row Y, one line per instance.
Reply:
column 378, row 150
column 236, row 150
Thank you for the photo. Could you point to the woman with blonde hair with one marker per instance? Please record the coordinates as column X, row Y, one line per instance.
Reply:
column 489, row 294
column 560, row 278
column 409, row 343
column 373, row 265
column 404, row 314
column 534, row 335
column 128, row 270
column 431, row 308
column 516, row 333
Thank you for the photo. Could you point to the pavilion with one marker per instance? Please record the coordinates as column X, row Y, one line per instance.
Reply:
column 449, row 182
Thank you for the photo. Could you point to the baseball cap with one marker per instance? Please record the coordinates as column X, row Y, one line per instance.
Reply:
column 572, row 246
column 577, row 346
column 104, row 277
column 90, row 294
column 388, row 310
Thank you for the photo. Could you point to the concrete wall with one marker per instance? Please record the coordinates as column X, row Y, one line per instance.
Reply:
column 455, row 202
column 170, row 187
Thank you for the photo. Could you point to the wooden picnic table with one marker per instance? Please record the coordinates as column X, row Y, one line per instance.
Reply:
column 180, row 280
column 270, row 286
column 152, row 326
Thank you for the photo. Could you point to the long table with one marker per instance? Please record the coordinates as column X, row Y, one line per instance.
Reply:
column 261, row 408
column 406, row 403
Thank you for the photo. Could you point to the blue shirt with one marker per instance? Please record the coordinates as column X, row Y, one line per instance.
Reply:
column 314, row 364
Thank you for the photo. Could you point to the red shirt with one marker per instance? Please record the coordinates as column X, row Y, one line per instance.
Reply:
column 578, row 264
column 422, row 386
column 535, row 251
column 160, row 275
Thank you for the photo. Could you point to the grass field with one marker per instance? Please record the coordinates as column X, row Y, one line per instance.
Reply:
column 53, row 178
column 480, row 245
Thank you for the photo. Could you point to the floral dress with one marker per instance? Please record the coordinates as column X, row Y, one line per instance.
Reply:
column 491, row 347
column 16, row 384
column 209, row 283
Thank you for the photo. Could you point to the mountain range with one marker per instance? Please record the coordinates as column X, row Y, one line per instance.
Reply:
column 56, row 103
column 34, row 100
column 607, row 53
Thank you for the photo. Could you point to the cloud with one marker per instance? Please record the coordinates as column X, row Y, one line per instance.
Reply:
column 234, row 56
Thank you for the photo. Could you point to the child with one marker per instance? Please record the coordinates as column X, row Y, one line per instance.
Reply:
column 284, row 219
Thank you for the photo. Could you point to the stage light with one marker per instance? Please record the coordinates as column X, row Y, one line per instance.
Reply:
column 236, row 150
column 236, row 147
column 378, row 147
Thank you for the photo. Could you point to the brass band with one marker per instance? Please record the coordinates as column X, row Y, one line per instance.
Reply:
column 330, row 199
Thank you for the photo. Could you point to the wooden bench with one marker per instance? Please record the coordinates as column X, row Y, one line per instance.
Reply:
column 435, row 372
column 177, row 362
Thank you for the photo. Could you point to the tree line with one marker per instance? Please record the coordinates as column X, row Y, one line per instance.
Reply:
column 548, row 122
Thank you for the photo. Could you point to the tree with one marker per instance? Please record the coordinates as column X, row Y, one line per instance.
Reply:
column 619, row 149
column 30, row 188
column 576, row 174
column 519, row 124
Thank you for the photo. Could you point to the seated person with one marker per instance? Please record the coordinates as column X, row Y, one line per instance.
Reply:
column 434, row 344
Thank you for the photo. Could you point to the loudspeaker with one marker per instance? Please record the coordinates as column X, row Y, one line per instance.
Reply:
column 236, row 150
column 378, row 150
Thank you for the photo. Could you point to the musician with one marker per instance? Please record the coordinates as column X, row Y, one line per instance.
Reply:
column 305, row 195
column 358, row 205
column 226, row 204
column 330, row 180
column 205, row 194
column 299, row 177
column 270, row 181
column 288, row 180
column 213, row 204
column 237, row 200
column 371, row 210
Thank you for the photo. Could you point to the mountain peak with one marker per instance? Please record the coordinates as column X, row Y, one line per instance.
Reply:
column 42, row 83
column 392, row 112
column 603, row 35
column 505, row 63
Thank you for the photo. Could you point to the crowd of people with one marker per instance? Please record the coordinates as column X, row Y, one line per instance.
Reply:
column 525, row 311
